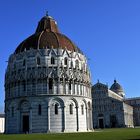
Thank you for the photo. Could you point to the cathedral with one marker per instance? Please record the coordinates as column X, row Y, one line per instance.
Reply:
column 47, row 84
column 109, row 107
column 48, row 88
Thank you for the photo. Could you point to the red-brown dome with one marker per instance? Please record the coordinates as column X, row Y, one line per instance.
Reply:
column 46, row 36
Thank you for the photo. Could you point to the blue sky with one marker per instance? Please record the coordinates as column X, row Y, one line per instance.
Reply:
column 107, row 31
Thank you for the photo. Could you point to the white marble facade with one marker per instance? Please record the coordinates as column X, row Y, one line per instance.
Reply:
column 135, row 103
column 47, row 90
column 109, row 108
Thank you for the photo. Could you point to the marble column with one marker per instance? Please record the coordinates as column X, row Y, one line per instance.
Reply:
column 87, row 118
column 30, row 121
column 47, row 85
column 48, row 119
column 18, row 120
column 90, row 119
column 64, row 86
column 77, row 117
column 64, row 119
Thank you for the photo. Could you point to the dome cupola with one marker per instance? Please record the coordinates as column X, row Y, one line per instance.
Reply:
column 47, row 36
column 117, row 88
column 47, row 23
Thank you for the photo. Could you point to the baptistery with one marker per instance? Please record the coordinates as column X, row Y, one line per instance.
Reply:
column 47, row 84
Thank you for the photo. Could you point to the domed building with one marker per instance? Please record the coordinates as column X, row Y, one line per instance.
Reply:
column 109, row 107
column 47, row 84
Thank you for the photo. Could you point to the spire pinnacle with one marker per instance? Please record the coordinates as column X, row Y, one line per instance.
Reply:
column 47, row 14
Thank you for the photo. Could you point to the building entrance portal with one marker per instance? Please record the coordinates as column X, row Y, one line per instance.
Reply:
column 101, row 123
column 25, row 123
column 113, row 121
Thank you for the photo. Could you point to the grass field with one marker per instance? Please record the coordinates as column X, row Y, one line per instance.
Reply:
column 106, row 134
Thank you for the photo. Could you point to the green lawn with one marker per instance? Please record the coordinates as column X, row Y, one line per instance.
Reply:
column 106, row 134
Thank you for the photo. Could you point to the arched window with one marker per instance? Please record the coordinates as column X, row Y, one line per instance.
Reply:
column 82, row 109
column 77, row 63
column 65, row 61
column 50, row 83
column 24, row 62
column 81, row 90
column 52, row 60
column 56, row 109
column 24, row 85
column 89, row 106
column 12, row 111
column 18, row 87
column 71, row 64
column 69, row 85
column 39, row 109
column 38, row 61
column 71, row 109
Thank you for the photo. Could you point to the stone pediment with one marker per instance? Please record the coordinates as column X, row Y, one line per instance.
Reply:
column 99, row 86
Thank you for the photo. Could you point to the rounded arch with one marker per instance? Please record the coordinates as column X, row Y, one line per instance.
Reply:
column 89, row 105
column 56, row 113
column 58, row 100
column 71, row 114
column 85, row 103
column 75, row 101
column 24, row 104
